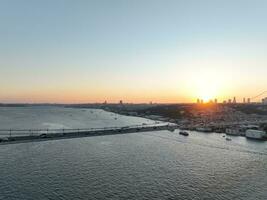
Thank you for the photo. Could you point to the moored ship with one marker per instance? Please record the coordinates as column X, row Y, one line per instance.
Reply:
column 256, row 134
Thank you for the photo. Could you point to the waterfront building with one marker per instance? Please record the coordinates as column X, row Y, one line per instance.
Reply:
column 233, row 131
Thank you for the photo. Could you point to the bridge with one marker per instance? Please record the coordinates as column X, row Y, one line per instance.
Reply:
column 8, row 136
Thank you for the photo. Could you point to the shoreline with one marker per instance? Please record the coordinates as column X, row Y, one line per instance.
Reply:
column 219, row 128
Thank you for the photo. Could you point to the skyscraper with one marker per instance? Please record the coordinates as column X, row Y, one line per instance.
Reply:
column 234, row 100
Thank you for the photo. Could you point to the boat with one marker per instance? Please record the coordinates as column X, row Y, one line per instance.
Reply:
column 255, row 134
column 184, row 133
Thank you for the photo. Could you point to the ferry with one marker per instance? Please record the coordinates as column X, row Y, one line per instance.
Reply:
column 255, row 134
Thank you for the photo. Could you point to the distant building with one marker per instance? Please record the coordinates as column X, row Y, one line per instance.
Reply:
column 121, row 102
column 244, row 100
column 264, row 101
column 198, row 101
column 248, row 101
column 229, row 101
column 234, row 100
column 215, row 101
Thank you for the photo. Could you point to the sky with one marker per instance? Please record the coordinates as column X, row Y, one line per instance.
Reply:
column 165, row 51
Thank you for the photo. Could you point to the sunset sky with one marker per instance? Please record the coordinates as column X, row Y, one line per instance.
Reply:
column 135, row 50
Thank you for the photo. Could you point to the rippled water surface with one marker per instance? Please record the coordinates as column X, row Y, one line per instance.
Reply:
column 151, row 165
column 39, row 117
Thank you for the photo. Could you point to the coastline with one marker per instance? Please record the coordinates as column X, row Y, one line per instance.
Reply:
column 216, row 128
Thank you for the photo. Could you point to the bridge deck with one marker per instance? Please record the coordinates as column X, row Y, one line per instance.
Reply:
column 20, row 135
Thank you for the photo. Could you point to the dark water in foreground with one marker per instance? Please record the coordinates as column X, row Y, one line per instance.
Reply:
column 151, row 165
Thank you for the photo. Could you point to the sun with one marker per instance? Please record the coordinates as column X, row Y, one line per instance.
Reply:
column 206, row 86
column 206, row 91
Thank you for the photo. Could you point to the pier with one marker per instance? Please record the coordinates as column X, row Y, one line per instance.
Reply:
column 8, row 136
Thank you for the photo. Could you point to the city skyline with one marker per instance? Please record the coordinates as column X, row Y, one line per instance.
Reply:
column 137, row 51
